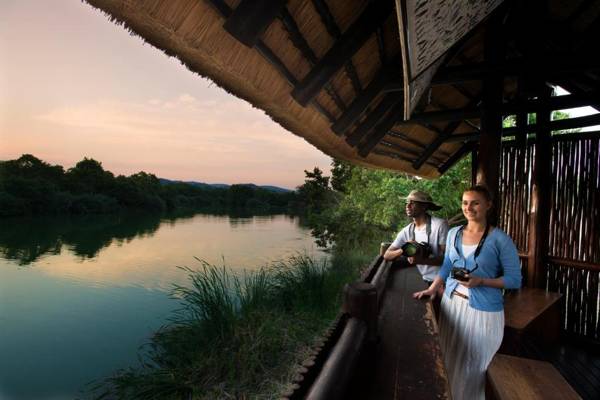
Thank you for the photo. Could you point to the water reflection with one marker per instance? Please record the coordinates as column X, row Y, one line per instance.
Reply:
column 143, row 250
column 26, row 240
column 92, row 289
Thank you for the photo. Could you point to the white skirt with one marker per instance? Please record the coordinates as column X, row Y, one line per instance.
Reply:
column 469, row 338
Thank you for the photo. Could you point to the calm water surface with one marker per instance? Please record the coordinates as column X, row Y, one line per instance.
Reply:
column 79, row 296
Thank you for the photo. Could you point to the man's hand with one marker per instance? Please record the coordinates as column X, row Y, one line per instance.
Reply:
column 392, row 253
column 416, row 260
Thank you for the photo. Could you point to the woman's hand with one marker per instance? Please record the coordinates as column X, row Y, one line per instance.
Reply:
column 430, row 292
column 472, row 281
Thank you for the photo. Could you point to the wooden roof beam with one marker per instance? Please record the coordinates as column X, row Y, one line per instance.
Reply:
column 459, row 114
column 251, row 18
column 381, row 129
column 348, row 44
column 301, row 44
column 544, row 68
column 567, row 85
column 560, row 124
column 373, row 118
column 556, row 125
column 437, row 142
column 398, row 156
column 580, row 99
column 406, row 138
column 225, row 11
column 441, row 138
column 406, row 150
column 391, row 155
column 456, row 157
column 444, row 115
column 360, row 103
column 381, row 46
column 221, row 7
column 463, row 137
column 331, row 26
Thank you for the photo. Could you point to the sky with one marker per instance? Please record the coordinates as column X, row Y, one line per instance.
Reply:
column 75, row 85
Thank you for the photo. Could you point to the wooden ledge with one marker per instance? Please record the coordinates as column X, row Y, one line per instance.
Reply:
column 526, row 305
column 516, row 378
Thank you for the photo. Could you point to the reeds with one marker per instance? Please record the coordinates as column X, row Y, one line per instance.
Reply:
column 236, row 335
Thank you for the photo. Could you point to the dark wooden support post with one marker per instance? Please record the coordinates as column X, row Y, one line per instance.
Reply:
column 539, row 212
column 490, row 142
column 360, row 301
column 251, row 19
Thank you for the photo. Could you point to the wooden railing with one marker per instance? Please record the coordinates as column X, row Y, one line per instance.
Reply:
column 326, row 373
column 354, row 361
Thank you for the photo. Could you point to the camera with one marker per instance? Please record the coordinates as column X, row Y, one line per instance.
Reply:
column 459, row 274
column 411, row 249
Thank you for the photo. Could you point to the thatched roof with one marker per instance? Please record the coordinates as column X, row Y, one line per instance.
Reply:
column 332, row 71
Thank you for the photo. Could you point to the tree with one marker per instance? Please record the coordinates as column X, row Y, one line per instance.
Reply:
column 369, row 207
column 315, row 192
column 88, row 176
column 341, row 172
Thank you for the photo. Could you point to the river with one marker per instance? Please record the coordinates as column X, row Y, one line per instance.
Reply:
column 80, row 295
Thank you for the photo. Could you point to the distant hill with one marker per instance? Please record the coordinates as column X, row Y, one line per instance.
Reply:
column 224, row 185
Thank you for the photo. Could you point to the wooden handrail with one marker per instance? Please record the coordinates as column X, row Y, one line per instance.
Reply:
column 340, row 364
column 574, row 263
column 568, row 262
column 335, row 372
column 339, row 361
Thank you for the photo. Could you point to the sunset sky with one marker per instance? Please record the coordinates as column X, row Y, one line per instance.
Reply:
column 74, row 85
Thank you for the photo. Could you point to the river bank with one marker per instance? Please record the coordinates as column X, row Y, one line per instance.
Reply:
column 239, row 336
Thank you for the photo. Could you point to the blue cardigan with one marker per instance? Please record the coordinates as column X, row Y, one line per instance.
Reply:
column 498, row 258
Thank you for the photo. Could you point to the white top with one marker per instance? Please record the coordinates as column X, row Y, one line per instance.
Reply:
column 439, row 231
column 468, row 249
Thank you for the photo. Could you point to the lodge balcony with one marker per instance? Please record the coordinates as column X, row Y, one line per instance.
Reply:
column 415, row 86
column 384, row 345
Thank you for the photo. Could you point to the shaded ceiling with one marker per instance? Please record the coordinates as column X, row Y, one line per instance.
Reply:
column 332, row 72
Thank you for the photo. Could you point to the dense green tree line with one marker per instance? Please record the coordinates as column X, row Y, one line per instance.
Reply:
column 358, row 207
column 30, row 186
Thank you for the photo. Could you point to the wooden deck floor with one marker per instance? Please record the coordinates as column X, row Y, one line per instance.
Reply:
column 406, row 361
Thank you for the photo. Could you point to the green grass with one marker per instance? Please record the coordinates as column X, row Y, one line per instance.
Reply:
column 238, row 336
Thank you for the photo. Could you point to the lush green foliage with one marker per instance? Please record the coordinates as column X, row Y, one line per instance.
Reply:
column 366, row 206
column 30, row 186
column 237, row 336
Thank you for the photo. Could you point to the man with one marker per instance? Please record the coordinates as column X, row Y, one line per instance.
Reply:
column 424, row 228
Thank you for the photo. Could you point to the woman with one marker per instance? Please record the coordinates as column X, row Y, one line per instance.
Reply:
column 479, row 262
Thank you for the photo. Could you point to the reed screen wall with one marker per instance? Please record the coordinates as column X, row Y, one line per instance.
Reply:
column 573, row 259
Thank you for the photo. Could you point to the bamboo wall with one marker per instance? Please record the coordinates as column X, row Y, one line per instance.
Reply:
column 573, row 259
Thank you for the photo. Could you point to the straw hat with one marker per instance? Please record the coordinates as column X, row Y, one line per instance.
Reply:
column 422, row 197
